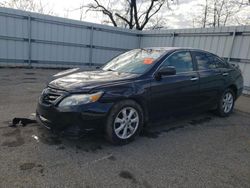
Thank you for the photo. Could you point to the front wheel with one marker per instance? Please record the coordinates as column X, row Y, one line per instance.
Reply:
column 124, row 122
column 226, row 103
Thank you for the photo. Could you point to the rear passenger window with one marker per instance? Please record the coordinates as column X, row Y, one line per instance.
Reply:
column 204, row 61
column 182, row 61
column 219, row 63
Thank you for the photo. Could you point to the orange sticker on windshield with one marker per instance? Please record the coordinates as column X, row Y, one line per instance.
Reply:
column 148, row 61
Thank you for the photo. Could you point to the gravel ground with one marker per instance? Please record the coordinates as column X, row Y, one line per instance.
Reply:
column 198, row 151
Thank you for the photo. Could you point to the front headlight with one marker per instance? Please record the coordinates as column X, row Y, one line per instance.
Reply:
column 78, row 99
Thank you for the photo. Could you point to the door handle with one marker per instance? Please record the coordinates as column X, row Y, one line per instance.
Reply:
column 225, row 74
column 194, row 79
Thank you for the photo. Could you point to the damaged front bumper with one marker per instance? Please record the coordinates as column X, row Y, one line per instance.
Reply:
column 73, row 121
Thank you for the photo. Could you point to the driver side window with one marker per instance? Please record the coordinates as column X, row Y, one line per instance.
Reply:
column 182, row 61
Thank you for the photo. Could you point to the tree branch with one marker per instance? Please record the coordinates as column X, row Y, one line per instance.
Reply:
column 104, row 11
column 148, row 16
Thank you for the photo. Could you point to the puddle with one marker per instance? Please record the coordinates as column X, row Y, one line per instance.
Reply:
column 46, row 137
column 93, row 148
column 127, row 175
column 112, row 158
column 41, row 171
column 50, row 140
column 5, row 79
column 31, row 78
column 6, row 122
column 146, row 184
column 28, row 131
column 27, row 166
column 12, row 133
column 29, row 73
column 28, row 82
column 173, row 128
column 150, row 134
column 61, row 148
column 200, row 121
column 19, row 140
column 155, row 134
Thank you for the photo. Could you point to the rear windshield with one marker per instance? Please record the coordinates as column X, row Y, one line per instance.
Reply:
column 135, row 61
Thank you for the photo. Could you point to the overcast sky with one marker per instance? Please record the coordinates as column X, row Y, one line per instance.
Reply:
column 181, row 16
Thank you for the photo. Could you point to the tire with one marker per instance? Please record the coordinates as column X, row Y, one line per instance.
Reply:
column 224, row 101
column 119, row 119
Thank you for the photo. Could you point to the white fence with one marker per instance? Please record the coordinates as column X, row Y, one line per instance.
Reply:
column 34, row 39
column 30, row 39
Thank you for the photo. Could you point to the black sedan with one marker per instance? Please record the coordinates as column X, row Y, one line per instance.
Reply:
column 139, row 87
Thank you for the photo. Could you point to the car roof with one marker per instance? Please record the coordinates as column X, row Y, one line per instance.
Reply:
column 169, row 48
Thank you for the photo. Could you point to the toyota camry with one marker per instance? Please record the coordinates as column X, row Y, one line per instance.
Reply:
column 137, row 88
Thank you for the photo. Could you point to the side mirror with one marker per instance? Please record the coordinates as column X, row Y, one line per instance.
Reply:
column 170, row 70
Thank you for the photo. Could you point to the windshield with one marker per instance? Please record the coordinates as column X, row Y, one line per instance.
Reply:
column 135, row 61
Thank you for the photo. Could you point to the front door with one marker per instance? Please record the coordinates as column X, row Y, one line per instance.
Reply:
column 175, row 94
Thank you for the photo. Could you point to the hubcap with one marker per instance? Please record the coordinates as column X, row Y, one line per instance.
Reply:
column 126, row 122
column 227, row 102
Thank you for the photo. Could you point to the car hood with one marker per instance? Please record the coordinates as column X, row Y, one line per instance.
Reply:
column 87, row 80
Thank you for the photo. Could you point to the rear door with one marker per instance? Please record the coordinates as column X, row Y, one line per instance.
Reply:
column 211, row 78
column 225, row 70
column 175, row 94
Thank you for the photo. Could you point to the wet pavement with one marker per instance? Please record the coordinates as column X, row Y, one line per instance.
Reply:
column 196, row 151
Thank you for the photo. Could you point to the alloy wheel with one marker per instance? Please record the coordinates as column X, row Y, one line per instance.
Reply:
column 126, row 123
column 227, row 102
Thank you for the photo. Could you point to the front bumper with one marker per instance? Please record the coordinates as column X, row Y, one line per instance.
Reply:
column 73, row 120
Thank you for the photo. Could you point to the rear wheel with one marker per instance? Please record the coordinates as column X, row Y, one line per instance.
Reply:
column 226, row 103
column 124, row 122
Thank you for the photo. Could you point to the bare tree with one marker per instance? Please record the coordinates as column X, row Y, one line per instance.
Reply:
column 221, row 12
column 132, row 14
column 28, row 5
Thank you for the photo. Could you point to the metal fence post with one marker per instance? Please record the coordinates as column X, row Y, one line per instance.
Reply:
column 139, row 36
column 231, row 47
column 29, row 41
column 173, row 35
column 91, row 46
